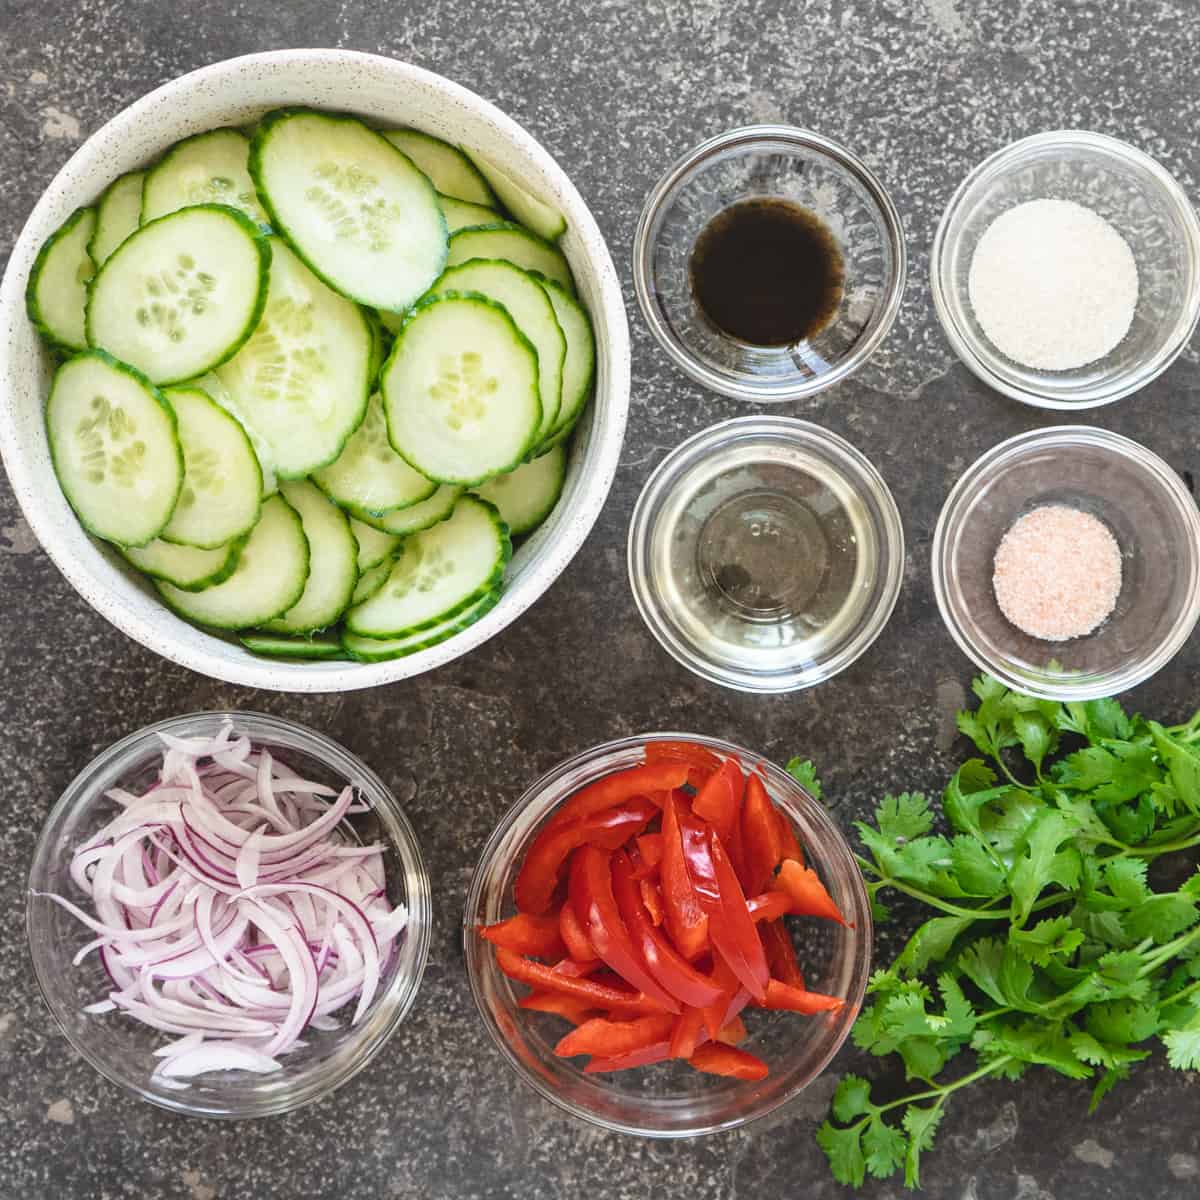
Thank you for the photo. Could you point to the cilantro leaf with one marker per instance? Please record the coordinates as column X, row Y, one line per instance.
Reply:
column 1035, row 735
column 1182, row 763
column 1054, row 937
column 805, row 774
column 1041, row 862
column 977, row 872
column 1042, row 1043
column 852, row 1098
column 843, row 1148
column 885, row 1147
column 1183, row 1046
column 1161, row 917
column 904, row 817
column 930, row 942
column 1108, row 1081
column 920, row 1124
column 1125, row 1021
column 1126, row 880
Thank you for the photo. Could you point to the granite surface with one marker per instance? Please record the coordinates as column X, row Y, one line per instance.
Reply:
column 615, row 89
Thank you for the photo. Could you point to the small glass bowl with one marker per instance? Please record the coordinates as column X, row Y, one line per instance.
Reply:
column 670, row 1100
column 784, row 163
column 1135, row 195
column 1148, row 509
column 682, row 541
column 119, row 1047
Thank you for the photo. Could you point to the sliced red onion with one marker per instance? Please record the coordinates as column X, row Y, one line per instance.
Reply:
column 231, row 910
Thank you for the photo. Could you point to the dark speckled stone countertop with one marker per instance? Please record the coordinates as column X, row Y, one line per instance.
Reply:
column 922, row 89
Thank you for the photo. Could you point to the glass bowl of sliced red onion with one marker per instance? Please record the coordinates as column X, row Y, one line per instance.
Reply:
column 228, row 914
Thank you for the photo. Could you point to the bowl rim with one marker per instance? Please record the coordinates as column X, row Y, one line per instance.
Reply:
column 967, row 347
column 861, row 933
column 863, row 477
column 605, row 438
column 1152, row 466
column 418, row 899
column 643, row 249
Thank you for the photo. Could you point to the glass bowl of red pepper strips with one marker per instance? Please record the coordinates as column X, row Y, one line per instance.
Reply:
column 667, row 936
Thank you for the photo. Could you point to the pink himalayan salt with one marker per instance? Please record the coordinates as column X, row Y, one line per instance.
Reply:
column 1057, row 573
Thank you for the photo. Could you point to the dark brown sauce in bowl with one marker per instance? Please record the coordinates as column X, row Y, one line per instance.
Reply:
column 768, row 272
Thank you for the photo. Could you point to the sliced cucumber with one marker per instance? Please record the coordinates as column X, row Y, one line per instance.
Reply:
column 449, row 170
column 579, row 366
column 518, row 246
column 222, row 482
column 461, row 214
column 525, row 300
column 332, row 564
column 351, row 205
column 118, row 214
column 370, row 581
column 182, row 294
column 301, row 381
column 378, row 354
column 187, row 567
column 416, row 517
column 374, row 546
column 369, row 478
column 269, row 577
column 460, row 390
column 115, row 448
column 277, row 646
column 56, row 295
column 542, row 218
column 210, row 168
column 392, row 322
column 525, row 497
column 212, row 385
column 442, row 571
column 364, row 649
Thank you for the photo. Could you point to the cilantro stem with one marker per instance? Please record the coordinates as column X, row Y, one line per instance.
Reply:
column 940, row 1093
column 957, row 910
column 1168, row 951
column 1175, row 997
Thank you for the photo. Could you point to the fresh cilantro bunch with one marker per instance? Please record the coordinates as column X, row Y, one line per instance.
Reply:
column 1050, row 946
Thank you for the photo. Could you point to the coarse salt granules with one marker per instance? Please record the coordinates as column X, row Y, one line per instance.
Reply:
column 1053, row 285
column 1057, row 573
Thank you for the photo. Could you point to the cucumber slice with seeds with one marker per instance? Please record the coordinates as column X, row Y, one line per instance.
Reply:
column 545, row 221
column 301, row 382
column 441, row 572
column 363, row 649
column 356, row 210
column 579, row 366
column 222, row 482
column 413, row 519
column 525, row 497
column 210, row 168
column 182, row 294
column 118, row 214
column 370, row 581
column 460, row 214
column 332, row 566
column 513, row 243
column 56, row 295
column 460, row 390
column 187, row 567
column 211, row 384
column 526, row 301
column 115, row 449
column 369, row 478
column 373, row 545
column 449, row 170
column 269, row 577
column 279, row 646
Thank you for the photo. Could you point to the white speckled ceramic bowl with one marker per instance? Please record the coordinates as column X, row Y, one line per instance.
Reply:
column 233, row 93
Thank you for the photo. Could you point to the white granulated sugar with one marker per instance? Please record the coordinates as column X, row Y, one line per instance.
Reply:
column 1057, row 573
column 1053, row 285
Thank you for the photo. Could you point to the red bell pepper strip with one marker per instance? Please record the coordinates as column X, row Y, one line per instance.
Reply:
column 650, row 847
column 652, row 899
column 574, row 936
column 809, row 897
column 719, row 800
column 701, row 758
column 770, row 905
column 714, row 1014
column 569, row 1007
column 608, row 1039
column 781, row 954
column 734, row 1032
column 590, row 893
column 760, row 838
column 670, row 970
column 684, row 917
column 526, row 934
column 610, row 828
column 618, row 789
column 737, row 926
column 789, row 844
column 577, row 969
column 659, row 1052
column 688, row 1033
column 793, row 999
column 716, row 1059
column 543, row 978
